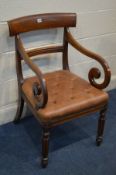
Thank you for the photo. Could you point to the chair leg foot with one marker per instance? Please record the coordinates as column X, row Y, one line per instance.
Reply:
column 101, row 124
column 44, row 163
column 99, row 141
column 19, row 110
column 45, row 147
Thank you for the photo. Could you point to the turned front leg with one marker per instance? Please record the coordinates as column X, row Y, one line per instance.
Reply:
column 45, row 147
column 101, row 124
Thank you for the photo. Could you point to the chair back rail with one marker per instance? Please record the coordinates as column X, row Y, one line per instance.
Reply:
column 44, row 50
column 41, row 21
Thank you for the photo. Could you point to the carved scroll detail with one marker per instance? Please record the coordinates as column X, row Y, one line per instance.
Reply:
column 38, row 94
column 94, row 73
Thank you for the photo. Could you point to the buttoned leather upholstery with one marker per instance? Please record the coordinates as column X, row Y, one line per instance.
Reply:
column 67, row 94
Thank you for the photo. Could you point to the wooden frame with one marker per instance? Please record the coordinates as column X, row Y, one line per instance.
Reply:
column 44, row 21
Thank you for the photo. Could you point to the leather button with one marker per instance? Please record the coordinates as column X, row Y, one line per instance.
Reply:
column 72, row 98
column 54, row 101
column 88, row 91
column 56, row 84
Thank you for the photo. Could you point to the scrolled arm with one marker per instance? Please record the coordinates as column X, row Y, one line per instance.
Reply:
column 39, row 89
column 94, row 73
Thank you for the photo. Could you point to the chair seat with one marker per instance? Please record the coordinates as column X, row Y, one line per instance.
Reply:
column 67, row 94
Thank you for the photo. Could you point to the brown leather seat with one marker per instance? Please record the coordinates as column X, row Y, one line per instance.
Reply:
column 59, row 96
column 68, row 94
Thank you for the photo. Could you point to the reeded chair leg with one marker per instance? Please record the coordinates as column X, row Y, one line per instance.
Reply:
column 101, row 123
column 45, row 147
column 19, row 110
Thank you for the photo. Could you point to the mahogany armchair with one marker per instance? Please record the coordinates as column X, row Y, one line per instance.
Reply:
column 58, row 96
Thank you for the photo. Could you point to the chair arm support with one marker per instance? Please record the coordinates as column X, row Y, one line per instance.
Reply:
column 41, row 86
column 94, row 73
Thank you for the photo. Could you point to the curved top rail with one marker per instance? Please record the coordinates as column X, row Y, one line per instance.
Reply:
column 41, row 21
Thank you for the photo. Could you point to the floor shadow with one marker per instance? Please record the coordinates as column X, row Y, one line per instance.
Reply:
column 61, row 136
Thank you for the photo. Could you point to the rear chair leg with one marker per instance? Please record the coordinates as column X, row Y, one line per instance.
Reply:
column 101, row 123
column 45, row 147
column 19, row 109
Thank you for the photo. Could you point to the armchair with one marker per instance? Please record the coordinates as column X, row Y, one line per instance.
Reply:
column 58, row 96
